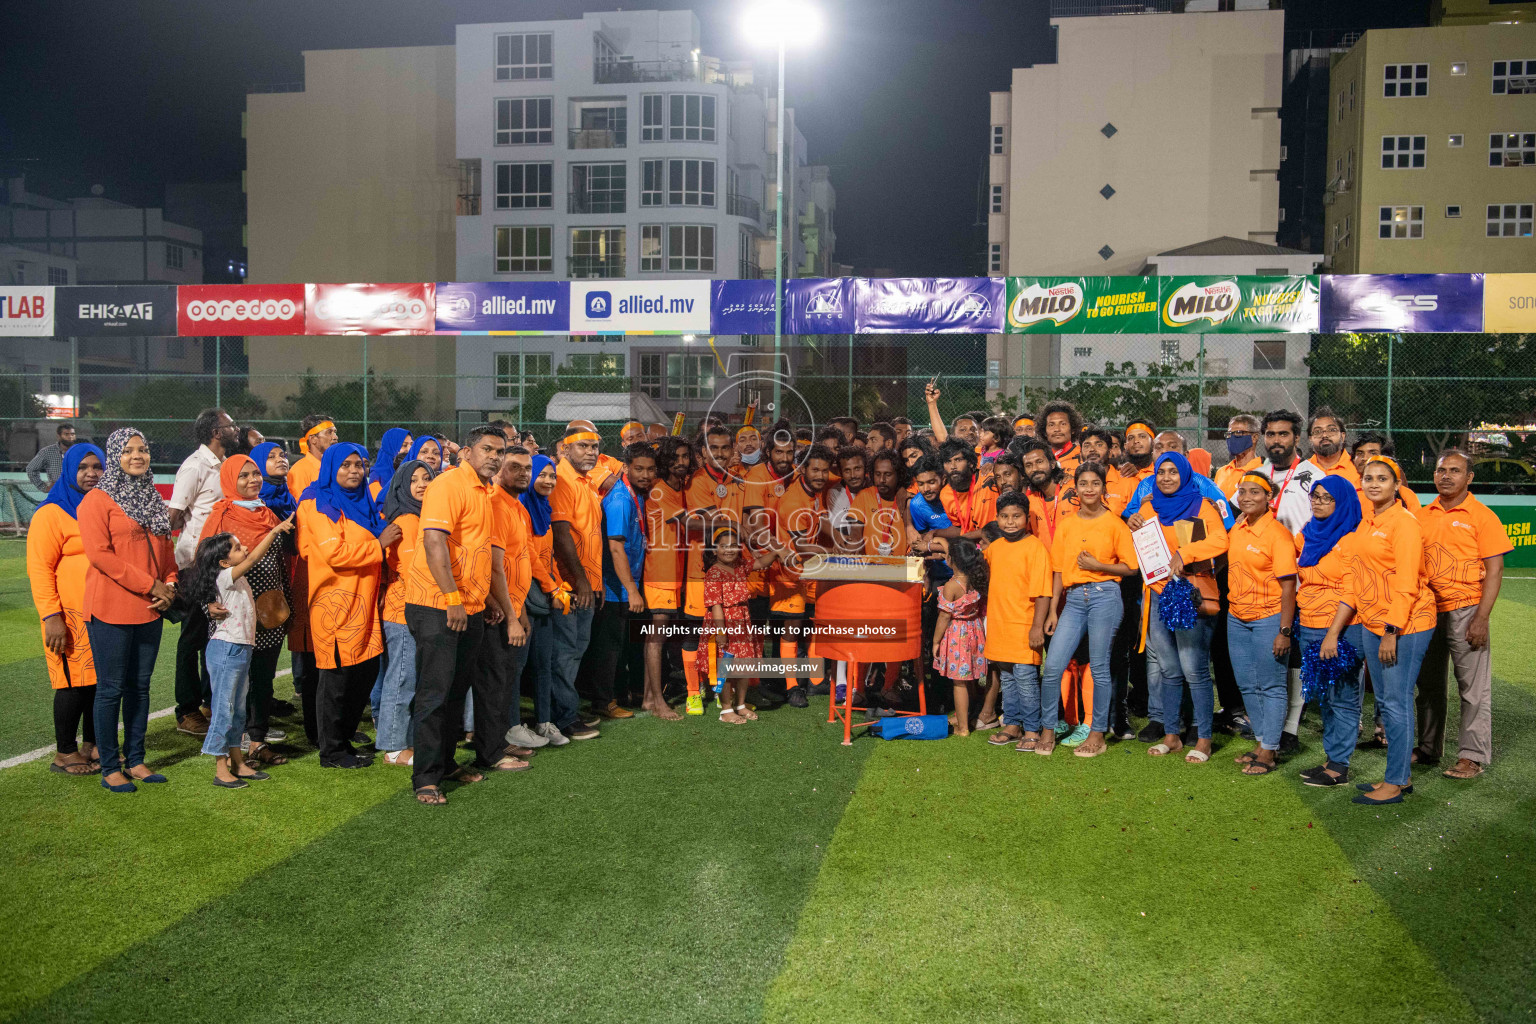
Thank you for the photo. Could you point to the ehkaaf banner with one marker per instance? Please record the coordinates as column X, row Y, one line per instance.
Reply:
column 503, row 307
column 1403, row 303
column 611, row 306
column 369, row 308
column 929, row 305
column 1082, row 305
column 26, row 311
column 743, row 307
column 128, row 310
column 819, row 305
column 1239, row 305
column 203, row 309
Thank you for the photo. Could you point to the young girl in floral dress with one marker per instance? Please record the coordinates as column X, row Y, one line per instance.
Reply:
column 957, row 655
column 727, row 587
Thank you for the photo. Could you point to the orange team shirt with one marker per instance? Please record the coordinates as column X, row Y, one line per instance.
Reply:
column 541, row 557
column 1456, row 540
column 1410, row 500
column 1119, row 488
column 971, row 510
column 1388, row 585
column 799, row 518
column 1344, row 466
column 1070, row 459
column 1045, row 514
column 885, row 522
column 703, row 496
column 1105, row 537
column 517, row 559
column 56, row 566
column 346, row 567
column 301, row 474
column 1180, row 536
column 397, row 562
column 1227, row 476
column 1020, row 573
column 1258, row 558
column 575, row 501
column 457, row 504
column 606, row 466
column 665, row 515
column 1320, row 587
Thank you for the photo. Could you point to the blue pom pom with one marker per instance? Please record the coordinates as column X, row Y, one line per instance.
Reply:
column 1318, row 674
column 1178, row 605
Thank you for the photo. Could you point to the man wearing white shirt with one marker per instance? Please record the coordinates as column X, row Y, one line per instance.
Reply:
column 196, row 490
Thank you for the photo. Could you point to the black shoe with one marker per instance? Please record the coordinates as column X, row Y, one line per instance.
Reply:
column 1319, row 776
column 347, row 761
column 360, row 737
column 579, row 730
column 589, row 719
column 1243, row 726
column 1313, row 772
column 822, row 689
column 281, row 709
column 1289, row 744
column 1366, row 787
column 1151, row 733
column 797, row 697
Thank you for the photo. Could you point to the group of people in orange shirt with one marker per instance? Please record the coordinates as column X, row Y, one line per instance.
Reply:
column 427, row 580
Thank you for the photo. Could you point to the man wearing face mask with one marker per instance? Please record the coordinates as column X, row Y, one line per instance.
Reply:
column 749, row 447
column 1242, row 432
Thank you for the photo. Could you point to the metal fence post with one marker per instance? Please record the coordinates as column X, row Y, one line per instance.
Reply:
column 218, row 372
column 365, row 391
column 1391, row 344
column 1200, row 426
column 850, row 376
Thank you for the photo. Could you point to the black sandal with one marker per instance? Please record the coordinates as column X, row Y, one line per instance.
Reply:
column 431, row 796
column 466, row 775
column 86, row 767
column 1265, row 767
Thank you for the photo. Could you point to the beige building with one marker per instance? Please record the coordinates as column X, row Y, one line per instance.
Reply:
column 1148, row 132
column 1432, row 150
column 354, row 178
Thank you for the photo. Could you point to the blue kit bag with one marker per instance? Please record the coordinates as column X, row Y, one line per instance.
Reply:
column 912, row 727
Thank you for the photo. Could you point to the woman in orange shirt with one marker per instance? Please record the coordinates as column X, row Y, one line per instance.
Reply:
column 1389, row 589
column 56, row 567
column 543, row 603
column 397, row 680
column 1261, row 570
column 1090, row 554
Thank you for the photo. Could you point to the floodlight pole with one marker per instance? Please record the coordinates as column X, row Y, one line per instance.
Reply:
column 778, row 243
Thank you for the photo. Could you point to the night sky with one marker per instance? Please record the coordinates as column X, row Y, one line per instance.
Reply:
column 135, row 94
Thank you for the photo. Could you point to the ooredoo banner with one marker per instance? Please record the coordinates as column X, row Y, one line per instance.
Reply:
column 742, row 307
column 930, row 305
column 640, row 307
column 503, row 307
column 1239, row 305
column 26, row 311
column 239, row 309
column 129, row 310
column 1509, row 303
column 1411, row 303
column 369, row 308
column 1082, row 305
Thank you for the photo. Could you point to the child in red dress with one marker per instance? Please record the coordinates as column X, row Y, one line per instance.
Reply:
column 727, row 587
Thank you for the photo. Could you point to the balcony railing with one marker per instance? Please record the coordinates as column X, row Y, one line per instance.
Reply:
column 594, row 202
column 469, row 205
column 618, row 72
column 594, row 266
column 594, row 138
column 743, row 206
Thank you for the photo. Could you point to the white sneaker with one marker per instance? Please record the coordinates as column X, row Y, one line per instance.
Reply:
column 522, row 736
column 553, row 736
column 276, row 735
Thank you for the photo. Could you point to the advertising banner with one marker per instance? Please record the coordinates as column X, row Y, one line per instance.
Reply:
column 1239, row 305
column 640, row 307
column 129, row 310
column 239, row 309
column 1509, row 303
column 819, row 305
column 1082, row 305
column 503, row 307
column 369, row 308
column 26, row 311
column 742, row 307
column 1411, row 303
column 929, row 305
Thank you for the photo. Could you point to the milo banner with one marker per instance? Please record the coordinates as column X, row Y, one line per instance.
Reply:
column 1082, row 305
column 1239, row 305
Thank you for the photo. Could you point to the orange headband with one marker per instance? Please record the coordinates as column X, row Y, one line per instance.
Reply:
column 1024, row 419
column 320, row 427
column 742, row 431
column 1142, row 424
column 1390, row 463
column 580, row 435
column 1260, row 479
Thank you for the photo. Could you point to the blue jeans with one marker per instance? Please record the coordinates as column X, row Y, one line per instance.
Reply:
column 1394, row 695
column 1340, row 703
column 1091, row 608
column 229, row 671
column 1259, row 675
column 125, row 661
column 1021, row 696
column 1176, row 657
column 551, row 701
column 573, row 631
column 396, row 687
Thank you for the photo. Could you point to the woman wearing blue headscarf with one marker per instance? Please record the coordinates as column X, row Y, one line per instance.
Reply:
column 550, row 704
column 1196, row 534
column 428, row 449
column 1324, row 555
column 56, row 566
column 343, row 542
column 394, row 444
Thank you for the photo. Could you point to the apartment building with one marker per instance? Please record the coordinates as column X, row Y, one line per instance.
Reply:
column 1432, row 151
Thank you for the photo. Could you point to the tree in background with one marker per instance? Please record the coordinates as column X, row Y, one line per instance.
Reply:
column 1163, row 393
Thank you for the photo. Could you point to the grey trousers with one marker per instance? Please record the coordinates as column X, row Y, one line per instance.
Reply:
column 1474, row 679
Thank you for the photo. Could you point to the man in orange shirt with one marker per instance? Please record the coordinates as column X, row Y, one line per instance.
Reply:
column 1464, row 549
column 715, row 496
column 1242, row 435
column 1047, row 489
column 1061, row 423
column 666, row 513
column 802, row 527
column 517, row 533
column 317, row 432
column 1326, row 433
column 578, row 530
column 455, row 585
column 969, row 505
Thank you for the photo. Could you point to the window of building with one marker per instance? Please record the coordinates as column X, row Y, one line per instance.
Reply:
column 649, row 378
column 597, row 188
column 597, row 252
column 58, row 380
column 746, row 266
column 1341, row 232
column 1404, row 80
column 1512, row 149
column 1170, row 351
column 1509, row 220
column 994, row 374
column 1453, row 211
column 525, row 186
column 1338, row 111
column 1454, row 141
column 1514, row 77
column 175, row 348
column 652, row 182
column 596, row 364
column 690, row 376
column 1458, row 67
column 1402, row 151
column 57, row 276
column 690, row 183
column 692, row 118
column 524, row 122
column 1351, row 91
column 997, row 199
column 1349, row 166
column 1269, row 355
column 691, row 247
column 175, row 256
column 652, row 128
column 995, row 258
column 997, row 138
column 1401, row 222
column 515, row 371
column 523, row 56
column 599, row 126
column 650, row 247
column 1083, row 351
column 469, row 187
column 523, row 249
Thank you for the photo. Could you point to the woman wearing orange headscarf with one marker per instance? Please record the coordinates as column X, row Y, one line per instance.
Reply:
column 243, row 513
